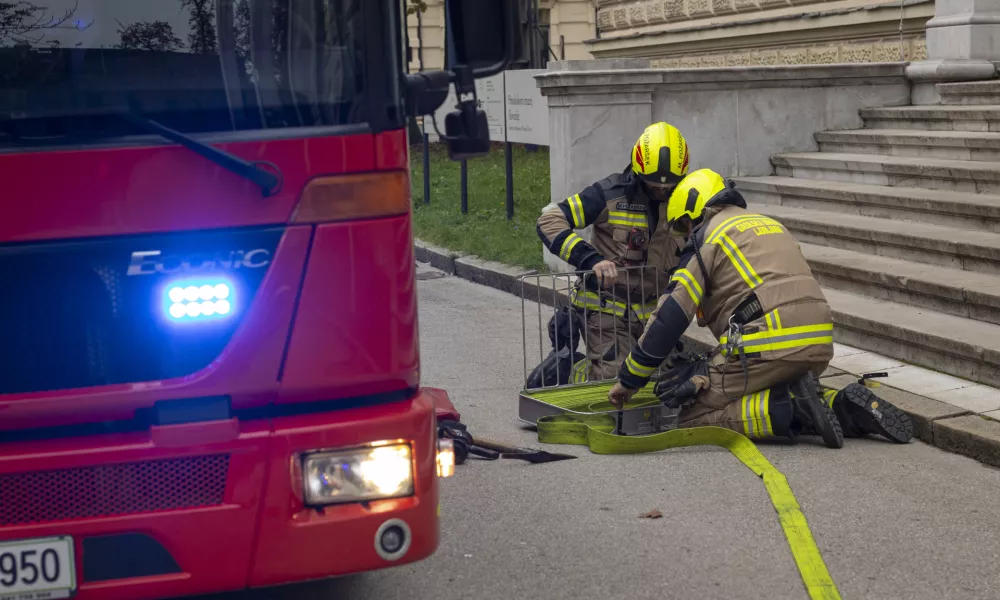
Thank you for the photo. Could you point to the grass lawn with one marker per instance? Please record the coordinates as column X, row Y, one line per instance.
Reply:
column 485, row 230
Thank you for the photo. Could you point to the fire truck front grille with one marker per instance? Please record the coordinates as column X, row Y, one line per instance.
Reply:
column 89, row 313
column 112, row 490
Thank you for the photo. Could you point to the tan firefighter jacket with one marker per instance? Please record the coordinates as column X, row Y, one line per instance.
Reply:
column 741, row 257
column 629, row 230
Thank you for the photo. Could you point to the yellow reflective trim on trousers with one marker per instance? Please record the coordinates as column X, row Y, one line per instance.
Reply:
column 750, row 415
column 595, row 432
column 593, row 302
column 756, row 421
column 829, row 396
column 765, row 415
column 576, row 209
column 747, row 427
column 568, row 244
column 637, row 369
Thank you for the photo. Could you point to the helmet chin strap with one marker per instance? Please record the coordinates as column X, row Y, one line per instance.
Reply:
column 653, row 193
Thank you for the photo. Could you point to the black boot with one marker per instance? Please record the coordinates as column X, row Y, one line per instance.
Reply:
column 812, row 415
column 839, row 408
column 870, row 414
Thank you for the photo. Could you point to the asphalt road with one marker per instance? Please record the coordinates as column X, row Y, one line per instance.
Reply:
column 891, row 521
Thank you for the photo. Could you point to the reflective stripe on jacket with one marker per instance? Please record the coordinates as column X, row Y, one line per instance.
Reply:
column 613, row 207
column 740, row 253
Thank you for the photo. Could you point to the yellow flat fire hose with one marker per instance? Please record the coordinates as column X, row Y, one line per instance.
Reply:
column 595, row 432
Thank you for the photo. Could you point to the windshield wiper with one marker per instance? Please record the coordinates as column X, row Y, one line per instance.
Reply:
column 268, row 182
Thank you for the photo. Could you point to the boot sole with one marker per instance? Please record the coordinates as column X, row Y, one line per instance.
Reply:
column 824, row 420
column 874, row 414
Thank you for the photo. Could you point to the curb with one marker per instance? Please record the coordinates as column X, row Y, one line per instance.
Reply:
column 935, row 423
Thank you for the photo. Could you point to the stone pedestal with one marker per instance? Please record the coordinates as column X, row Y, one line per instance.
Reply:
column 963, row 42
column 734, row 119
column 596, row 112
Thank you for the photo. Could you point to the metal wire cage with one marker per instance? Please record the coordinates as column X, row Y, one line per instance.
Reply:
column 609, row 320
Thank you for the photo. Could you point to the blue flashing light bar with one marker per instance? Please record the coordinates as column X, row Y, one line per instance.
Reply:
column 187, row 301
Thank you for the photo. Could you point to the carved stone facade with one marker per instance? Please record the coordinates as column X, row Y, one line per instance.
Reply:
column 884, row 50
column 720, row 33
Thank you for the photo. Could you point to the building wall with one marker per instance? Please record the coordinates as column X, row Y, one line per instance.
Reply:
column 576, row 22
column 719, row 33
column 734, row 120
column 429, row 25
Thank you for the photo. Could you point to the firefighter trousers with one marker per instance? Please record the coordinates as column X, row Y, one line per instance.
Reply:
column 609, row 340
column 748, row 411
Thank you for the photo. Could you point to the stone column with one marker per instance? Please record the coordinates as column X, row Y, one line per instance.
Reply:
column 963, row 43
column 595, row 116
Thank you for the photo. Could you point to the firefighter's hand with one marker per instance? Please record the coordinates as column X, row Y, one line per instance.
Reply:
column 620, row 394
column 606, row 273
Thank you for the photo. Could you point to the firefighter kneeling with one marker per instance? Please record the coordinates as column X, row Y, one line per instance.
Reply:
column 745, row 278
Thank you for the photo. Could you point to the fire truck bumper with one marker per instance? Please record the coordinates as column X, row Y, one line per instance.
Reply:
column 224, row 505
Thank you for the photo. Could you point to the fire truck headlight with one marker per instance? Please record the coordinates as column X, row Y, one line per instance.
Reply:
column 381, row 471
column 186, row 301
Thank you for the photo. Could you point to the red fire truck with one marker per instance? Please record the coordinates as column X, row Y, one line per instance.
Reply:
column 209, row 366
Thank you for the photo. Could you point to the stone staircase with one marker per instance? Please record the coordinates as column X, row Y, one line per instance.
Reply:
column 900, row 223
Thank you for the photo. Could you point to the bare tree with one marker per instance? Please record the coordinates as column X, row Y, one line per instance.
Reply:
column 203, row 38
column 279, row 40
column 155, row 36
column 416, row 6
column 22, row 21
column 243, row 35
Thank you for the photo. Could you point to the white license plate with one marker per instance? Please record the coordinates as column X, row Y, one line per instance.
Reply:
column 39, row 569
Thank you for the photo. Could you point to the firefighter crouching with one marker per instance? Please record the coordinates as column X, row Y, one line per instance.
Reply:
column 628, row 213
column 745, row 278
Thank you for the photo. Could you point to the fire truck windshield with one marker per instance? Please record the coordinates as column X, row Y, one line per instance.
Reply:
column 69, row 69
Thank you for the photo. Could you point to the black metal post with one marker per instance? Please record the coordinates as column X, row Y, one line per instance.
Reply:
column 537, row 46
column 427, row 164
column 509, row 155
column 465, row 187
column 531, row 39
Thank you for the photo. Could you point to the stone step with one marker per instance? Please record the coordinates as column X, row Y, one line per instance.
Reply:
column 977, row 251
column 936, row 117
column 946, row 343
column 900, row 171
column 950, row 145
column 970, row 92
column 954, row 209
column 960, row 293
